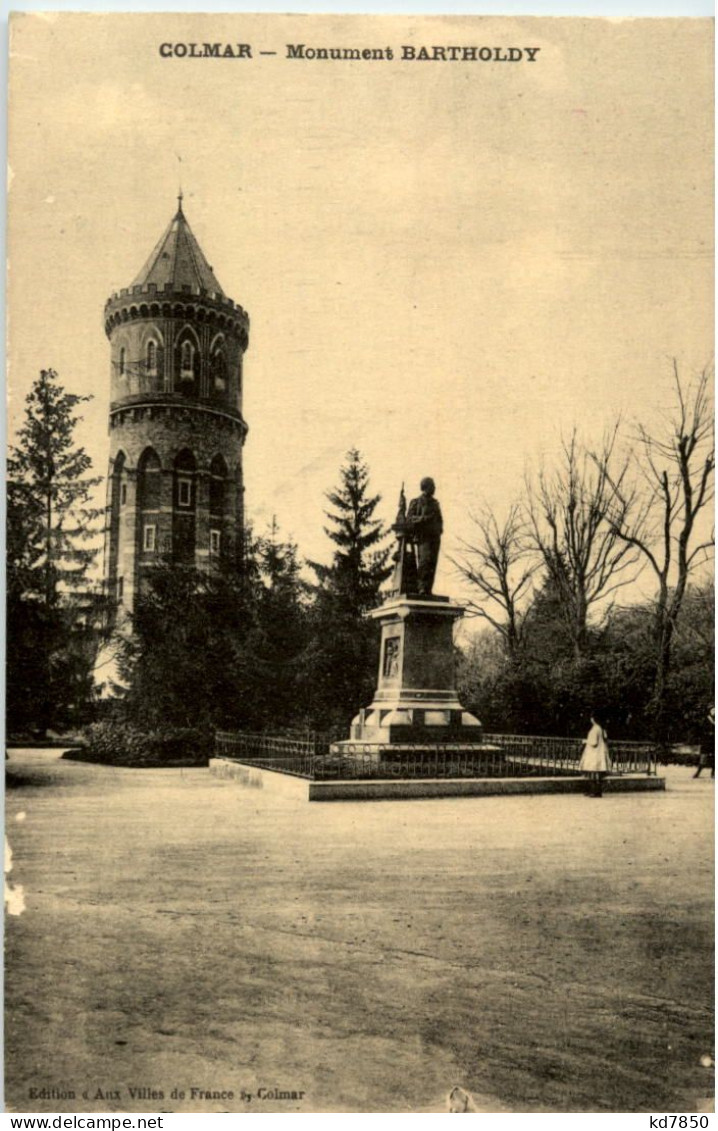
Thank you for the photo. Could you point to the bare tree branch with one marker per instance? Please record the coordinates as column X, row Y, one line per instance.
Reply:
column 661, row 517
column 572, row 514
column 498, row 564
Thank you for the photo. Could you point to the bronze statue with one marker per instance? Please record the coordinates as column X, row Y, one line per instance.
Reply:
column 419, row 533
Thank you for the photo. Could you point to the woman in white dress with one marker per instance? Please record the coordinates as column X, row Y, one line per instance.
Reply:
column 595, row 760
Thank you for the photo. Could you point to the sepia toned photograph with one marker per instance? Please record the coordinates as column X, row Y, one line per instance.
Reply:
column 360, row 473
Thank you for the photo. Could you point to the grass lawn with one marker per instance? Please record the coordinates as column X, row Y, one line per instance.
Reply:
column 548, row 953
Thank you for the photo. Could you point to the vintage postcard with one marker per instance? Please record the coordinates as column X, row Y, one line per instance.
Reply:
column 359, row 540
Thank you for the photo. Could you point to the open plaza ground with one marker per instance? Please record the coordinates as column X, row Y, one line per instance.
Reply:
column 181, row 931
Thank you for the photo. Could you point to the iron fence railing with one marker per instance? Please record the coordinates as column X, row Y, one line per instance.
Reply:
column 291, row 754
column 564, row 754
column 438, row 761
column 500, row 756
column 634, row 757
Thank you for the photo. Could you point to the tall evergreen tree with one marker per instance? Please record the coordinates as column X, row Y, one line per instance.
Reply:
column 359, row 566
column 339, row 670
column 278, row 563
column 51, row 524
column 50, row 496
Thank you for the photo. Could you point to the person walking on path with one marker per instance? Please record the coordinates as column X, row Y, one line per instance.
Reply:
column 707, row 759
column 595, row 760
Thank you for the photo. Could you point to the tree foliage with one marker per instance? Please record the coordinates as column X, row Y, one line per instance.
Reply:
column 549, row 691
column 571, row 512
column 340, row 663
column 218, row 649
column 51, row 518
column 659, row 513
column 499, row 565
column 359, row 564
column 51, row 523
column 548, row 584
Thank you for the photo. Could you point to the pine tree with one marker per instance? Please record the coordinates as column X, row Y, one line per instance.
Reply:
column 278, row 563
column 359, row 566
column 49, row 496
column 340, row 662
column 51, row 520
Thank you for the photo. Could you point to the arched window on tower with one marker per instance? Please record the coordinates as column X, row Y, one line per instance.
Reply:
column 217, row 487
column 123, row 358
column 187, row 362
column 187, row 365
column 219, row 370
column 149, row 498
column 118, row 497
column 149, row 481
column 184, row 504
column 151, row 358
column 218, row 477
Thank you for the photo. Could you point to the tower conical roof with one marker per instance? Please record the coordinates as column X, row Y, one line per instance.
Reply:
column 178, row 260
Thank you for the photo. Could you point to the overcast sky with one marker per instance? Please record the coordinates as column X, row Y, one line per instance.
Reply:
column 446, row 264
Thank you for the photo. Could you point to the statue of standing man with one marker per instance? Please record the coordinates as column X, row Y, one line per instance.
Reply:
column 424, row 526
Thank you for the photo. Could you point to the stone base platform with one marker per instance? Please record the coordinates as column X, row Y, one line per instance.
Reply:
column 416, row 701
column 399, row 789
column 407, row 789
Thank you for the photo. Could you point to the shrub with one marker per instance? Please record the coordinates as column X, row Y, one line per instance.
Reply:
column 115, row 743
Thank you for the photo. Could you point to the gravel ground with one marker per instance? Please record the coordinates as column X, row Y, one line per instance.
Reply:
column 548, row 953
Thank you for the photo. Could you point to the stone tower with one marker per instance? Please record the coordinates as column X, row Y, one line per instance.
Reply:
column 174, row 486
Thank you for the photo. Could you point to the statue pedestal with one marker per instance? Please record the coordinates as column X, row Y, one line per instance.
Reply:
column 415, row 703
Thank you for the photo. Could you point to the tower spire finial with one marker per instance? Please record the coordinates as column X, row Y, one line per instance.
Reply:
column 180, row 194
